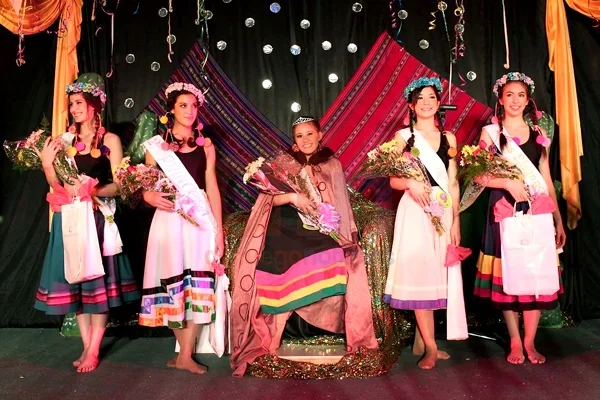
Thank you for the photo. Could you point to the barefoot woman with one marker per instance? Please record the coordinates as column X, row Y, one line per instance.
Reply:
column 178, row 275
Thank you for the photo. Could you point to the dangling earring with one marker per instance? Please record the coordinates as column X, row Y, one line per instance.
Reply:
column 200, row 139
column 406, row 120
column 538, row 113
column 164, row 119
column 495, row 117
column 295, row 148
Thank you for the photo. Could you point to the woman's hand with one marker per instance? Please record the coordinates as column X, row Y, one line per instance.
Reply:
column 419, row 192
column 303, row 204
column 561, row 236
column 455, row 234
column 159, row 200
column 49, row 151
column 517, row 190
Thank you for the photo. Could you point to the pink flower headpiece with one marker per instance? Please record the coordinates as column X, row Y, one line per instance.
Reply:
column 514, row 77
column 188, row 87
column 79, row 87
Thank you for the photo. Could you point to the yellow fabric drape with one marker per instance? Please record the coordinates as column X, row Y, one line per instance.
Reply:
column 567, row 108
column 39, row 15
column 66, row 65
column 586, row 7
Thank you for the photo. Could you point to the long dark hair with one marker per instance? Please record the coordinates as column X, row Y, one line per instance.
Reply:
column 530, row 111
column 321, row 155
column 171, row 101
column 96, row 104
column 414, row 97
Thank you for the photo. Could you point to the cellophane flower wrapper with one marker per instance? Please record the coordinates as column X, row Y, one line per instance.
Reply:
column 389, row 160
column 24, row 155
column 479, row 163
column 282, row 174
column 132, row 179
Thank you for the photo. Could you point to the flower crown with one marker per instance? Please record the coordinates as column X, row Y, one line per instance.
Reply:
column 514, row 77
column 422, row 82
column 188, row 87
column 79, row 87
column 302, row 120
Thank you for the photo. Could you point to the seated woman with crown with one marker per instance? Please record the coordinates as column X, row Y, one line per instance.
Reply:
column 295, row 281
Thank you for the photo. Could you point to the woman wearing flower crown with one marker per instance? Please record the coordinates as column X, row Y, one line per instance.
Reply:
column 179, row 276
column 95, row 152
column 514, row 92
column 418, row 279
column 295, row 281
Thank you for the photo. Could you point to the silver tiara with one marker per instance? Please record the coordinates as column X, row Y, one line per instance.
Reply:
column 302, row 120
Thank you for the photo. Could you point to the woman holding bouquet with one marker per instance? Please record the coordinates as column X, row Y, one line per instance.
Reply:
column 179, row 275
column 289, row 276
column 426, row 224
column 95, row 152
column 510, row 132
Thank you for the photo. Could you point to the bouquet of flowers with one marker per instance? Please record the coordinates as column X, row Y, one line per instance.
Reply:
column 482, row 162
column 283, row 174
column 389, row 160
column 25, row 154
column 131, row 179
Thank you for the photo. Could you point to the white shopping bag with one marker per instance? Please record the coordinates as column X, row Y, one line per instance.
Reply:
column 219, row 329
column 529, row 260
column 83, row 261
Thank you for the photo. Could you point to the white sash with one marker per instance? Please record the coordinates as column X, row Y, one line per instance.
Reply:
column 513, row 153
column 190, row 197
column 429, row 158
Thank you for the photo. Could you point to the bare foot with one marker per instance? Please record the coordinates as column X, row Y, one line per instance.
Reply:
column 516, row 355
column 172, row 363
column 78, row 362
column 441, row 354
column 533, row 356
column 88, row 364
column 428, row 360
column 190, row 365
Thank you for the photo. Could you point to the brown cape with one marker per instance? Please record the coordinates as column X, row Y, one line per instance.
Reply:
column 253, row 333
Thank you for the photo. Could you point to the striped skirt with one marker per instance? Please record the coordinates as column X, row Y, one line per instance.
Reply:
column 179, row 279
column 55, row 296
column 488, row 282
column 298, row 266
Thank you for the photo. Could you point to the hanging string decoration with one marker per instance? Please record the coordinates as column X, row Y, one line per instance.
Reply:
column 397, row 16
column 112, row 31
column 507, row 64
column 459, row 30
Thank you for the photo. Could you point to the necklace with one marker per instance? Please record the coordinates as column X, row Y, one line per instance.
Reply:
column 79, row 146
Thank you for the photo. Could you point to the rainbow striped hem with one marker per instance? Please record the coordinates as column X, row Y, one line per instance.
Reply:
column 188, row 297
column 308, row 281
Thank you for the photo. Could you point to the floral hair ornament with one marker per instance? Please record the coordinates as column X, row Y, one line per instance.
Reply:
column 422, row 82
column 79, row 146
column 302, row 120
column 514, row 77
column 188, row 87
column 80, row 87
column 200, row 140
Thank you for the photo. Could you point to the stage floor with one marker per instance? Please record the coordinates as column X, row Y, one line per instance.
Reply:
column 36, row 364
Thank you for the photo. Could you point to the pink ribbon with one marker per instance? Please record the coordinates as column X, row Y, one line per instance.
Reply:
column 61, row 196
column 455, row 254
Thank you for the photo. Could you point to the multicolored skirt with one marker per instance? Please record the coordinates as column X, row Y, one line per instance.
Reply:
column 298, row 266
column 55, row 296
column 488, row 282
column 179, row 279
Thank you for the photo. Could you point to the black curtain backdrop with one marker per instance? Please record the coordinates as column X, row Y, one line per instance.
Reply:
column 140, row 31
